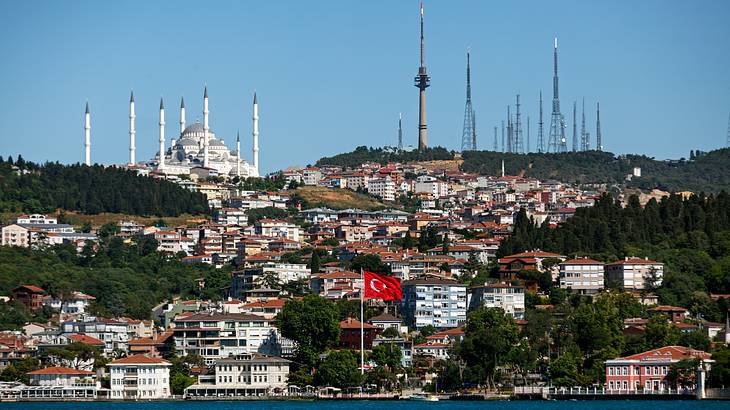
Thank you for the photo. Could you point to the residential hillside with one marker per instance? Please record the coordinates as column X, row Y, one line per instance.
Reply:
column 32, row 188
column 312, row 197
column 702, row 172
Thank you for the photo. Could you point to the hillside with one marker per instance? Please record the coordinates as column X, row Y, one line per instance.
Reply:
column 333, row 198
column 708, row 172
column 30, row 188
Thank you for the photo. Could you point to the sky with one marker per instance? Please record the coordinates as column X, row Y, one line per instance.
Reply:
column 334, row 75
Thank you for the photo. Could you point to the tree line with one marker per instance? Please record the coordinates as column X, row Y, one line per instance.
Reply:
column 32, row 188
column 364, row 154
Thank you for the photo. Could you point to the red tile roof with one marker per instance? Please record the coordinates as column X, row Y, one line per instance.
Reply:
column 355, row 324
column 669, row 352
column 61, row 370
column 86, row 339
column 139, row 359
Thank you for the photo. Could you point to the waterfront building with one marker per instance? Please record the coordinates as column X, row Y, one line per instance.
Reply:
column 243, row 375
column 510, row 298
column 214, row 336
column 60, row 383
column 432, row 301
column 583, row 276
column 139, row 377
column 649, row 370
column 633, row 273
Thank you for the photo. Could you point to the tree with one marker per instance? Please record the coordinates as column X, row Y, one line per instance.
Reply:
column 390, row 333
column 312, row 322
column 490, row 334
column 408, row 242
column 330, row 242
column 18, row 370
column 660, row 333
column 314, row 262
column 682, row 373
column 369, row 262
column 720, row 372
column 339, row 369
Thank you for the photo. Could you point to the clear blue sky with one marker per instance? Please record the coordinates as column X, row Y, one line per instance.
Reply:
column 332, row 75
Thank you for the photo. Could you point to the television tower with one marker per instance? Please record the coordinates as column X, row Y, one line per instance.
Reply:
column 575, row 128
column 422, row 81
column 400, row 132
column 496, row 142
column 556, row 142
column 540, row 130
column 519, row 143
column 469, row 132
column 599, row 142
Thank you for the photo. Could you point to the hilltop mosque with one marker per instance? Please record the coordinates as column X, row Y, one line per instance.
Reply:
column 195, row 147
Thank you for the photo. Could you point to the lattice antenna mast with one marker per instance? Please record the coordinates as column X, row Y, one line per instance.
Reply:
column 556, row 141
column 585, row 141
column 468, row 134
column 599, row 141
column 527, row 148
column 510, row 141
column 540, row 130
column 519, row 143
column 496, row 141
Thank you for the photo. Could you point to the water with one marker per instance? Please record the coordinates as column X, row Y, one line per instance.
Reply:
column 373, row 405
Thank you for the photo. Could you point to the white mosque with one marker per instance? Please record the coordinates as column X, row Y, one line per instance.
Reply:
column 195, row 147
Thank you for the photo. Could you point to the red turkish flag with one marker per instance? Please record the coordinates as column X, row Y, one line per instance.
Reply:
column 382, row 287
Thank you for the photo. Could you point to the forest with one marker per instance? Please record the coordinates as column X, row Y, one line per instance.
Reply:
column 32, row 188
column 364, row 154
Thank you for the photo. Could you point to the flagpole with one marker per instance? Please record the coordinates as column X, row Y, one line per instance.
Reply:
column 362, row 326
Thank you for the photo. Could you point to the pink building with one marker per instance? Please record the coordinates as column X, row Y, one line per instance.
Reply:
column 648, row 370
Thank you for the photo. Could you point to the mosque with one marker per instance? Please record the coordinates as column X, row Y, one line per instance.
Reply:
column 195, row 147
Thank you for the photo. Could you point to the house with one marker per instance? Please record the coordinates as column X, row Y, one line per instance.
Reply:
column 634, row 273
column 350, row 334
column 673, row 313
column 510, row 298
column 277, row 229
column 510, row 265
column 385, row 321
column 60, row 383
column 73, row 304
column 648, row 370
column 311, row 176
column 582, row 275
column 243, row 376
column 327, row 284
column 139, row 377
column 437, row 302
column 29, row 295
column 383, row 188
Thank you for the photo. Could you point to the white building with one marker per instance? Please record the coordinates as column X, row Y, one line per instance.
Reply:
column 243, row 375
column 436, row 302
column 431, row 185
column 278, row 229
column 232, row 216
column 214, row 336
column 383, row 188
column 73, row 304
column 582, row 275
column 60, row 383
column 287, row 272
column 311, row 176
column 633, row 273
column 509, row 298
column 139, row 377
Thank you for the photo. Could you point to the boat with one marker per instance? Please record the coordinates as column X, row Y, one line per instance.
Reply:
column 423, row 397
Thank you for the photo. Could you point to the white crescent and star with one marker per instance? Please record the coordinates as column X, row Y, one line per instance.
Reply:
column 375, row 288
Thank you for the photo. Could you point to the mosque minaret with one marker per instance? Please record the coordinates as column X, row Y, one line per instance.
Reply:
column 132, row 160
column 161, row 165
column 206, row 130
column 255, row 133
column 87, row 136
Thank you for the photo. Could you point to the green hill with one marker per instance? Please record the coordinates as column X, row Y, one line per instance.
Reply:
column 31, row 188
